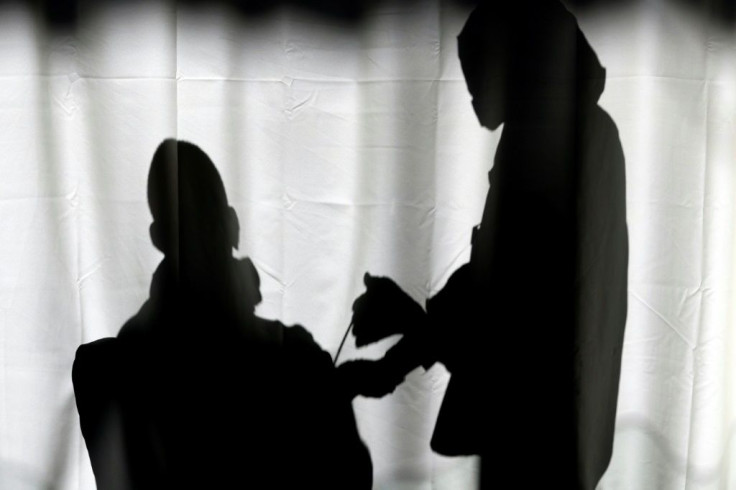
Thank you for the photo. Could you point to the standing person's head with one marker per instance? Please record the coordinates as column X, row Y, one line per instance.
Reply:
column 522, row 54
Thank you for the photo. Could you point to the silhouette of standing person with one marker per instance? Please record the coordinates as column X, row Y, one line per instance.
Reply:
column 196, row 391
column 531, row 328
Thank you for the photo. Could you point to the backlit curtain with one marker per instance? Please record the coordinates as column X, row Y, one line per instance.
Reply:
column 349, row 144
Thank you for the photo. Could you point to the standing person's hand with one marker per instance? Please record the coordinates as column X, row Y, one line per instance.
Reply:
column 383, row 310
column 373, row 379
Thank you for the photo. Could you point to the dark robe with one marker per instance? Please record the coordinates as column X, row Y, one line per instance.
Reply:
column 532, row 327
column 194, row 395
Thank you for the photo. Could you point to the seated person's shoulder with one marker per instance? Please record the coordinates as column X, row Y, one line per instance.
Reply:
column 298, row 335
column 291, row 337
column 107, row 352
column 296, row 346
column 299, row 343
column 99, row 351
column 93, row 372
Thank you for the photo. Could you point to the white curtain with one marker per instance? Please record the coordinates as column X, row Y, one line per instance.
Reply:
column 348, row 147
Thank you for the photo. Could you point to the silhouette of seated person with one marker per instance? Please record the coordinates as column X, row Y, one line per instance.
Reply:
column 531, row 328
column 196, row 391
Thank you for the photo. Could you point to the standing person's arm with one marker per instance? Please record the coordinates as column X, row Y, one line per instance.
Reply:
column 428, row 337
column 385, row 310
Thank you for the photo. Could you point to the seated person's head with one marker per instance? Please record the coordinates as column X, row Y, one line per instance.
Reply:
column 193, row 224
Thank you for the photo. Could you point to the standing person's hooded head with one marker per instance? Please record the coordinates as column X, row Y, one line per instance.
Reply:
column 525, row 54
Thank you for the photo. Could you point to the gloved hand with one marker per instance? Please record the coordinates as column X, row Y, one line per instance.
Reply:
column 383, row 310
column 367, row 378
